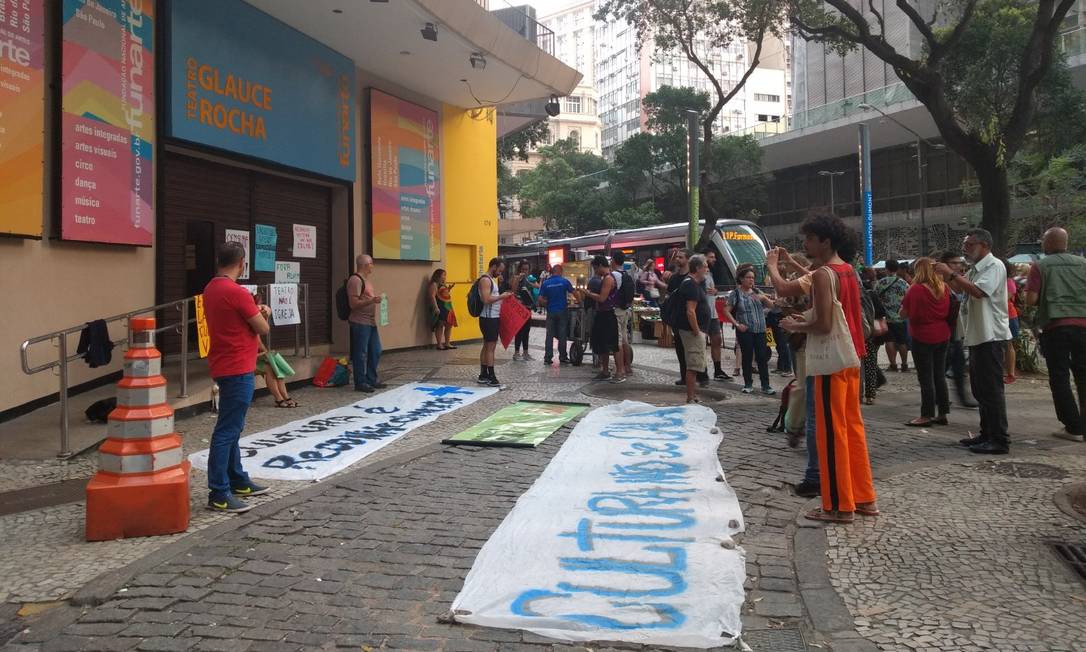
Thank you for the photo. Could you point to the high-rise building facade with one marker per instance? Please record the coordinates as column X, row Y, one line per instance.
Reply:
column 575, row 46
column 624, row 75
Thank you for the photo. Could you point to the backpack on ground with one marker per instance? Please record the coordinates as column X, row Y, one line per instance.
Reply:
column 475, row 299
column 343, row 302
column 778, row 424
column 626, row 292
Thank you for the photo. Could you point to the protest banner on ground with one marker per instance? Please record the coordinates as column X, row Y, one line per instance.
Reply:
column 625, row 536
column 523, row 424
column 316, row 447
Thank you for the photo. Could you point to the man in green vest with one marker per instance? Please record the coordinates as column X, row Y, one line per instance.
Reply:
column 1057, row 286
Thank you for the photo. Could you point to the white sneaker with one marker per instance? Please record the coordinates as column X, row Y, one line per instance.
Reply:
column 1063, row 434
column 516, row 357
column 526, row 356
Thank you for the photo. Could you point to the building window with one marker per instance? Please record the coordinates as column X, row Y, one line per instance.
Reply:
column 573, row 104
column 763, row 97
column 575, row 136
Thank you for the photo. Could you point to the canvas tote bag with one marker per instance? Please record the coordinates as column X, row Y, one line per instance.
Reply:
column 827, row 354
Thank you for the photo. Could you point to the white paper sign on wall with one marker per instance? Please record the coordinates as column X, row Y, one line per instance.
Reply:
column 233, row 235
column 283, row 300
column 305, row 241
column 288, row 272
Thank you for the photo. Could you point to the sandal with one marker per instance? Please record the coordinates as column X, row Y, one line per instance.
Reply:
column 867, row 509
column 288, row 402
column 820, row 514
column 869, row 401
column 442, row 348
column 450, row 346
column 917, row 423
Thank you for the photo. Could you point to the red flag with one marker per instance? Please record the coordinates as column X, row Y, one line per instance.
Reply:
column 513, row 317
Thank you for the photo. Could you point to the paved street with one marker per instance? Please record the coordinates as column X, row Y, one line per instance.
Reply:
column 372, row 557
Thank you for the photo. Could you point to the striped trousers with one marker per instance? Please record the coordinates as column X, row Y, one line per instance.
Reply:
column 842, row 443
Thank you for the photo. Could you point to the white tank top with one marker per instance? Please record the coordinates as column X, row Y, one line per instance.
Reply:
column 492, row 310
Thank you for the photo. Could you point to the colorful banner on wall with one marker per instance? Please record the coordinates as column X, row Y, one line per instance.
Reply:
column 404, row 179
column 22, row 116
column 524, row 424
column 244, row 82
column 108, row 121
column 625, row 536
column 315, row 447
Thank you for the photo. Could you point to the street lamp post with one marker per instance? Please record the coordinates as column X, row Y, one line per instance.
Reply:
column 833, row 176
column 920, row 174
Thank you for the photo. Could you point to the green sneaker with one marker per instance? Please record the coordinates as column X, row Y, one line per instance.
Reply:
column 250, row 489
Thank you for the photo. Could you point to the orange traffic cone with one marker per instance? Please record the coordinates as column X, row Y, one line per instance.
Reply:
column 142, row 486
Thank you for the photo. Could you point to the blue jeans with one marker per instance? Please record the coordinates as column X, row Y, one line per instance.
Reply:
column 811, row 474
column 224, row 459
column 365, row 354
column 557, row 326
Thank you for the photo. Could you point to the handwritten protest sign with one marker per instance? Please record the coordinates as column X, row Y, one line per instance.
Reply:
column 241, row 237
column 626, row 536
column 305, row 241
column 288, row 272
column 316, row 447
column 283, row 300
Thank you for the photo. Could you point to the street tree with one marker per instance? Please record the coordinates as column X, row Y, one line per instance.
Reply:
column 699, row 29
column 979, row 75
column 563, row 188
column 518, row 144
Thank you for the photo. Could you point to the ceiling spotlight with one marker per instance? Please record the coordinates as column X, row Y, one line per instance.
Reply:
column 552, row 108
column 478, row 61
column 429, row 32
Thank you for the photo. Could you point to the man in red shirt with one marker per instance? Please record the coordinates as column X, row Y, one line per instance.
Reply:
column 234, row 323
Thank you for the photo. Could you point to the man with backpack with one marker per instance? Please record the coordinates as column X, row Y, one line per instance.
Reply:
column 365, row 340
column 486, row 304
column 623, row 302
column 891, row 292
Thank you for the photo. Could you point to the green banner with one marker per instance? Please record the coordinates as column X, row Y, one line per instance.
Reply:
column 522, row 424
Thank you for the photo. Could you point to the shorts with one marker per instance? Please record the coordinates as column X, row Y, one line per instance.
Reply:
column 898, row 332
column 622, row 318
column 604, row 333
column 694, row 348
column 714, row 327
column 490, row 327
column 1016, row 327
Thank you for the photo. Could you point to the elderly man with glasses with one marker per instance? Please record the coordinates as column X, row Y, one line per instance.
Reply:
column 983, row 320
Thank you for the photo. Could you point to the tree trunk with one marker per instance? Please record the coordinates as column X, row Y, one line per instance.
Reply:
column 995, row 193
column 707, row 211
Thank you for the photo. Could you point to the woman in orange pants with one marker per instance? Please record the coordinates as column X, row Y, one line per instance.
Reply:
column 846, row 482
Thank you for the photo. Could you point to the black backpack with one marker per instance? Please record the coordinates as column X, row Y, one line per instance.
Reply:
column 626, row 292
column 475, row 299
column 674, row 310
column 343, row 302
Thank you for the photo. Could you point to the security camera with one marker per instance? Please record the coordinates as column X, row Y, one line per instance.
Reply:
column 477, row 60
column 552, row 108
column 429, row 32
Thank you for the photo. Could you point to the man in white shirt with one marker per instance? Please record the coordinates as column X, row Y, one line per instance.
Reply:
column 986, row 331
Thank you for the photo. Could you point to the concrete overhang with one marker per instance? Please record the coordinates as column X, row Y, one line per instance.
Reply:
column 374, row 34
column 841, row 137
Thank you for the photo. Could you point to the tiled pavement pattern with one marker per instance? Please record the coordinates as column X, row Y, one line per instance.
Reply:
column 372, row 557
column 963, row 565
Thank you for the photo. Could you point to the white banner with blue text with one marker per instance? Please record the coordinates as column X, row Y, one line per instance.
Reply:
column 625, row 536
column 316, row 447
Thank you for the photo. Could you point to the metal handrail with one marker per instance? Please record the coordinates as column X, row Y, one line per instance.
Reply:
column 181, row 328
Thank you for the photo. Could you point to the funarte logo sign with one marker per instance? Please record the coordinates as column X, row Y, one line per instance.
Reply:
column 213, row 112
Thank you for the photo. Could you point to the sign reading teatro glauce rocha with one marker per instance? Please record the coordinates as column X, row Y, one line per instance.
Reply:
column 242, row 81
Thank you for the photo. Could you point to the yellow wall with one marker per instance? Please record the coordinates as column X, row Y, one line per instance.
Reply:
column 471, row 190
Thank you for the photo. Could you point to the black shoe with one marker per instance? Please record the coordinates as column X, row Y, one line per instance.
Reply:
column 227, row 503
column 483, row 380
column 703, row 383
column 680, row 382
column 250, row 489
column 973, row 441
column 364, row 388
column 808, row 489
column 989, row 448
column 565, row 361
column 380, row 385
column 547, row 363
column 904, row 367
column 721, row 375
column 493, row 382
